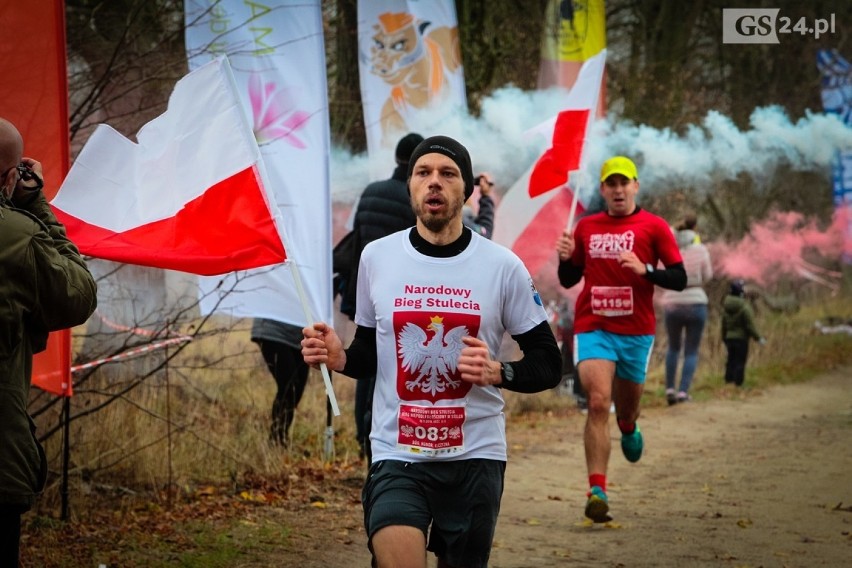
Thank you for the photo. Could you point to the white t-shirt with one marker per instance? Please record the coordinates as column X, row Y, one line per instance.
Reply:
column 421, row 307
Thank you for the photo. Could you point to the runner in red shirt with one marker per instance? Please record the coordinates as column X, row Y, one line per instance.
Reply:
column 617, row 252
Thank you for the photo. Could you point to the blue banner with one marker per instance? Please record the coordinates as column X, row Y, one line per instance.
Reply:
column 837, row 99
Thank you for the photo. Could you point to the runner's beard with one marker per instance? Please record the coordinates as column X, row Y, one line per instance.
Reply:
column 437, row 223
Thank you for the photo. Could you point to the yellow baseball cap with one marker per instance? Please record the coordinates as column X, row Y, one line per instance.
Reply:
column 619, row 165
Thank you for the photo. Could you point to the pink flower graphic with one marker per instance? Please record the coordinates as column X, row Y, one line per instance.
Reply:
column 275, row 115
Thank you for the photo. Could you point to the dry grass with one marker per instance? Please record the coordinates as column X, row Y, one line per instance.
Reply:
column 203, row 418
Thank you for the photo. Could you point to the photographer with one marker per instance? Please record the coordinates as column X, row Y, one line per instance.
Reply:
column 481, row 222
column 45, row 287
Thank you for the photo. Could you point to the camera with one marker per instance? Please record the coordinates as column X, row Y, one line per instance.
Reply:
column 28, row 177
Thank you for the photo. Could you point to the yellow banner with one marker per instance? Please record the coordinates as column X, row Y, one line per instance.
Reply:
column 574, row 30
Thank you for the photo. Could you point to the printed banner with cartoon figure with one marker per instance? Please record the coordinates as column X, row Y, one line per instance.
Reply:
column 410, row 62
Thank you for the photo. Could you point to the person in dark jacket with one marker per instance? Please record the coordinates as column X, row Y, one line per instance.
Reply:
column 46, row 287
column 384, row 208
column 280, row 345
column 738, row 328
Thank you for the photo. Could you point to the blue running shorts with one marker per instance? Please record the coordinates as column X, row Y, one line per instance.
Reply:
column 631, row 353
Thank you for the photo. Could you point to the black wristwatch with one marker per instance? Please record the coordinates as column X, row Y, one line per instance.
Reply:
column 649, row 269
column 507, row 372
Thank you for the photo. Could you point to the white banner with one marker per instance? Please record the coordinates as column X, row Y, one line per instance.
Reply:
column 410, row 62
column 277, row 54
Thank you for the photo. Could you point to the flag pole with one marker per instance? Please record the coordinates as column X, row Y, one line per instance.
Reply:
column 329, row 390
column 575, row 179
column 294, row 269
column 66, row 454
column 573, row 210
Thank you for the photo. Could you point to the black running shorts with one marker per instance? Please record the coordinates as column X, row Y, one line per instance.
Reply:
column 459, row 499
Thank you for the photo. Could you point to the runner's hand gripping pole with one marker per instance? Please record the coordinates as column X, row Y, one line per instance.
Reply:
column 329, row 390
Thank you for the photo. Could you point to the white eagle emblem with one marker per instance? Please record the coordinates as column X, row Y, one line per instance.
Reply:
column 432, row 361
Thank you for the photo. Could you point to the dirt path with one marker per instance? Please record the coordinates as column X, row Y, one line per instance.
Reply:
column 764, row 481
column 751, row 482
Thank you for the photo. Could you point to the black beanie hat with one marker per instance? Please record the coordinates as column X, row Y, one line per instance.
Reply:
column 451, row 149
column 406, row 146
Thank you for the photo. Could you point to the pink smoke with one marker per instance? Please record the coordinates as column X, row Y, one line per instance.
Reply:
column 784, row 245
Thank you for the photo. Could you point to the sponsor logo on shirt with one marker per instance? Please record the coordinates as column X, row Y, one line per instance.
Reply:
column 610, row 245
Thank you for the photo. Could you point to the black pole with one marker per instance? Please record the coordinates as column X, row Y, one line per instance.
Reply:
column 66, row 454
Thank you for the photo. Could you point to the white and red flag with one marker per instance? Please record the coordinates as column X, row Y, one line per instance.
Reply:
column 276, row 51
column 189, row 195
column 564, row 155
column 531, row 215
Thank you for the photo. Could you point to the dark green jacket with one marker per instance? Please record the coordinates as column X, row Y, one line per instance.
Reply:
column 44, row 286
column 738, row 319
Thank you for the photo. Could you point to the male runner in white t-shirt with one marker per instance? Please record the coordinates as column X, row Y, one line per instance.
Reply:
column 433, row 304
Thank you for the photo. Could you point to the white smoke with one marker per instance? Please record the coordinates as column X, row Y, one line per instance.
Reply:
column 701, row 156
column 717, row 150
column 495, row 140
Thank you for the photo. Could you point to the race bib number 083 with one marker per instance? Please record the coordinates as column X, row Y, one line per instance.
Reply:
column 431, row 430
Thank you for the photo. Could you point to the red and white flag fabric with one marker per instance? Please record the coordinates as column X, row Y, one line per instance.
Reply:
column 531, row 216
column 530, row 226
column 569, row 129
column 278, row 57
column 564, row 155
column 189, row 195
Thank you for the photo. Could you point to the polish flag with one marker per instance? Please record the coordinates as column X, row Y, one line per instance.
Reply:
column 189, row 195
column 569, row 136
column 569, row 129
column 530, row 226
column 535, row 210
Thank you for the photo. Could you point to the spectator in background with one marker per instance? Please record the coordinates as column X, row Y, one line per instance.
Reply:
column 738, row 328
column 46, row 286
column 384, row 208
column 685, row 312
column 481, row 222
column 280, row 345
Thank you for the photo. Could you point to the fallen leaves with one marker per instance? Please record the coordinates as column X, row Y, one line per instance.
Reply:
column 744, row 523
column 127, row 530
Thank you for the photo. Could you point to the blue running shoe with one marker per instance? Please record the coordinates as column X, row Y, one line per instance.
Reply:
column 632, row 444
column 597, row 507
